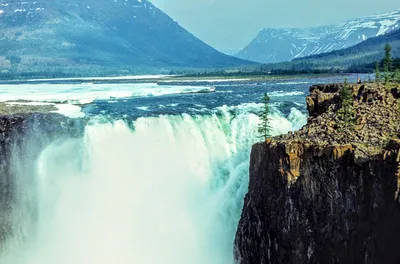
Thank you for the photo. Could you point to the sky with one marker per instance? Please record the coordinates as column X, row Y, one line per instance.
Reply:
column 232, row 24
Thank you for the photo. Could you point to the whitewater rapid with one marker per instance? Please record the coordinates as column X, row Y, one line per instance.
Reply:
column 86, row 93
column 167, row 189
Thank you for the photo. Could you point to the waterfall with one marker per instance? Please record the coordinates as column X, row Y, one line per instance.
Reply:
column 168, row 189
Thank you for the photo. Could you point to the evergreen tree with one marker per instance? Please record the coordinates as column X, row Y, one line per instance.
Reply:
column 387, row 62
column 377, row 73
column 397, row 75
column 346, row 112
column 396, row 63
column 264, row 128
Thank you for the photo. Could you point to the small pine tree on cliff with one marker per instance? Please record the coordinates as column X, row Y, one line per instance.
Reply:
column 264, row 128
column 387, row 62
column 397, row 75
column 377, row 73
column 346, row 112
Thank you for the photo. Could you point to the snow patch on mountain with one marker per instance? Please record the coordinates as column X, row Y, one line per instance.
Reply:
column 98, row 37
column 276, row 45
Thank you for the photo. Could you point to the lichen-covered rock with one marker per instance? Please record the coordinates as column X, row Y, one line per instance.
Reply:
column 377, row 115
column 12, row 109
column 325, row 195
column 321, row 98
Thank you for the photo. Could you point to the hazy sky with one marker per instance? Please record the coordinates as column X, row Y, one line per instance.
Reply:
column 226, row 24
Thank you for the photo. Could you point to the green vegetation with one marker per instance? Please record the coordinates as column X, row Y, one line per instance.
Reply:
column 387, row 62
column 377, row 73
column 278, row 69
column 264, row 128
column 356, row 59
column 396, row 75
column 391, row 67
column 346, row 113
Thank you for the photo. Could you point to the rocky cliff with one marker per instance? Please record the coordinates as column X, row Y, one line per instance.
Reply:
column 22, row 138
column 325, row 195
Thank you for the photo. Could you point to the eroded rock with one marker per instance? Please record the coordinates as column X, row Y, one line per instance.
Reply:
column 324, row 194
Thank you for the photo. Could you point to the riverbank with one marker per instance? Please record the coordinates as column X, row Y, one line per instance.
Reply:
column 161, row 79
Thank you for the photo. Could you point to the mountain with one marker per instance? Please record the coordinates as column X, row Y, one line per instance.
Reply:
column 366, row 52
column 359, row 58
column 98, row 36
column 231, row 51
column 277, row 45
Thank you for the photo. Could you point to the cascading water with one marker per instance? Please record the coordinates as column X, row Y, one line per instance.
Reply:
column 168, row 190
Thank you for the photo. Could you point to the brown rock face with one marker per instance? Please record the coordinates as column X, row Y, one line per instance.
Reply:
column 315, row 197
column 322, row 97
column 377, row 115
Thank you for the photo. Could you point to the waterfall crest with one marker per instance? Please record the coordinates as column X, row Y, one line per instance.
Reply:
column 167, row 190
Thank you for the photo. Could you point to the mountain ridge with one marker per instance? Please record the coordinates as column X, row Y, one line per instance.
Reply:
column 278, row 45
column 98, row 36
column 366, row 52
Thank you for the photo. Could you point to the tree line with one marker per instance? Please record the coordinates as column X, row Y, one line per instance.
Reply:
column 387, row 70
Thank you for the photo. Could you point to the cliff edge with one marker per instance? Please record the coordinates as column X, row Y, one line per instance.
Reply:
column 324, row 195
column 23, row 136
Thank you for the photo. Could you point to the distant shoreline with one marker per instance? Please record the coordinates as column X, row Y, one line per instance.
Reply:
column 170, row 79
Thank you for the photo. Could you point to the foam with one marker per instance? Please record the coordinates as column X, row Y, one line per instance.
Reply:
column 208, row 80
column 130, row 77
column 168, row 191
column 69, row 110
column 285, row 93
column 87, row 93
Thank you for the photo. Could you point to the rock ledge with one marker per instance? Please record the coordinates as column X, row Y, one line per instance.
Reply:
column 321, row 195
